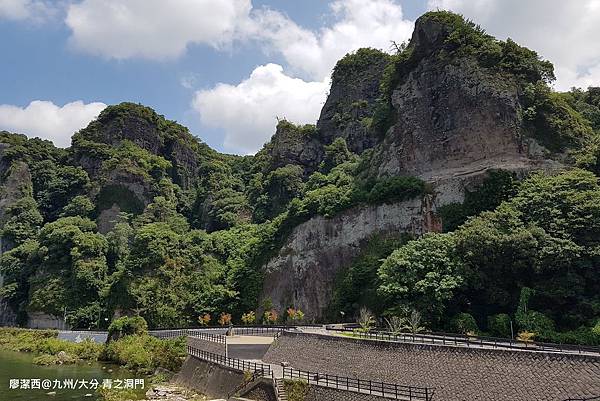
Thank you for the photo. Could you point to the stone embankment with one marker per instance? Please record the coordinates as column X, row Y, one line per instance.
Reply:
column 456, row 373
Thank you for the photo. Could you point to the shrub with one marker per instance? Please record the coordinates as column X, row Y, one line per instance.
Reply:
column 365, row 320
column 144, row 354
column 270, row 316
column 499, row 325
column 296, row 390
column 526, row 336
column 465, row 323
column 45, row 342
column 396, row 189
column 249, row 318
column 204, row 320
column 295, row 315
column 395, row 324
column 583, row 335
column 536, row 322
column 596, row 328
column 125, row 326
column 225, row 319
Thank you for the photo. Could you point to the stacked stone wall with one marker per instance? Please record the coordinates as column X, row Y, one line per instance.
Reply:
column 318, row 393
column 457, row 373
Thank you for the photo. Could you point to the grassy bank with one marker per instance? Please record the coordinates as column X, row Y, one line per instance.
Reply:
column 141, row 354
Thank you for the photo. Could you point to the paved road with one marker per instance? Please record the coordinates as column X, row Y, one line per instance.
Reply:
column 247, row 351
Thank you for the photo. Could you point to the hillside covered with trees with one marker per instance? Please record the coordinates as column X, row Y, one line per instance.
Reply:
column 139, row 216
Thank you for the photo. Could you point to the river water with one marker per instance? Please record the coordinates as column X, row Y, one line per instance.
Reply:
column 18, row 365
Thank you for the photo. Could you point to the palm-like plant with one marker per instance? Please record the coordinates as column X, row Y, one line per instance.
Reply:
column 366, row 320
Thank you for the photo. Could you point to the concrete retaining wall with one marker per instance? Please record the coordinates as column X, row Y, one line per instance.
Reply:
column 457, row 373
column 39, row 320
column 208, row 378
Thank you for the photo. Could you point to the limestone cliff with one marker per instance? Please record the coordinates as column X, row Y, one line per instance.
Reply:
column 454, row 120
column 303, row 273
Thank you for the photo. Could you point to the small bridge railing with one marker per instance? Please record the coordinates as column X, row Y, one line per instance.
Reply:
column 217, row 338
column 467, row 341
column 387, row 390
column 234, row 363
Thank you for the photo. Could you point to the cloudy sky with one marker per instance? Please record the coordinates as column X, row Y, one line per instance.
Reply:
column 228, row 69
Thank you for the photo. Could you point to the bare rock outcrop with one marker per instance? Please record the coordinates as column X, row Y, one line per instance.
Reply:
column 303, row 273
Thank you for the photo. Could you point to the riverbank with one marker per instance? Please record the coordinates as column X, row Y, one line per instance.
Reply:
column 139, row 353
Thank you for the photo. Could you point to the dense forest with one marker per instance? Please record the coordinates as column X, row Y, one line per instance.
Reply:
column 139, row 216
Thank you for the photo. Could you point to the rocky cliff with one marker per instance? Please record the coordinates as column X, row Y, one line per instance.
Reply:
column 453, row 121
column 303, row 274
column 453, row 116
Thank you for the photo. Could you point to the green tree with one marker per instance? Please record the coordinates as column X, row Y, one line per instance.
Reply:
column 424, row 274
column 335, row 154
column 78, row 206
column 24, row 221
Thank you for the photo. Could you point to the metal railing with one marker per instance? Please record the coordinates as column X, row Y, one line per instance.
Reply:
column 217, row 338
column 257, row 330
column 470, row 341
column 234, row 363
column 168, row 333
column 584, row 399
column 387, row 390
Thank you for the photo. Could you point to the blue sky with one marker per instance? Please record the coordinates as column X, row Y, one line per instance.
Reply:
column 228, row 68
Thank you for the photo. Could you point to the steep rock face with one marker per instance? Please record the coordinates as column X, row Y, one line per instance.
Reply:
column 304, row 271
column 346, row 114
column 453, row 116
column 352, row 98
column 15, row 182
column 451, row 119
column 292, row 145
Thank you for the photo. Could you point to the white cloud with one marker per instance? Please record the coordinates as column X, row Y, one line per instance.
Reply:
column 164, row 29
column 248, row 112
column 564, row 32
column 34, row 10
column 358, row 24
column 46, row 120
column 153, row 29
